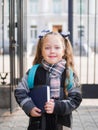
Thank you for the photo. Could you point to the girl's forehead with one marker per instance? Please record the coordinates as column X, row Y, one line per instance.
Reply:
column 52, row 38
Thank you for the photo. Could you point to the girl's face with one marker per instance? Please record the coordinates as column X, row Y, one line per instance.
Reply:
column 52, row 49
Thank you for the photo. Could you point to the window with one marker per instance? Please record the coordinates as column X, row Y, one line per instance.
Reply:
column 33, row 7
column 81, row 31
column 33, row 33
column 57, row 6
column 81, row 6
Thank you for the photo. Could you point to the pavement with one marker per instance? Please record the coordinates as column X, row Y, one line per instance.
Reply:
column 84, row 118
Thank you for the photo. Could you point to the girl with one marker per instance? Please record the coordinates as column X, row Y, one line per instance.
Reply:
column 54, row 54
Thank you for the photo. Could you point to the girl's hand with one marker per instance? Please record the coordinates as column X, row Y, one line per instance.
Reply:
column 35, row 112
column 49, row 106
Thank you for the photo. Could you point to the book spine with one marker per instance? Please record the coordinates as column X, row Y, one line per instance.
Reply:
column 48, row 94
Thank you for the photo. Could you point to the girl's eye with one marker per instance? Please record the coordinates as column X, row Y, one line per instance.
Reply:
column 57, row 47
column 47, row 48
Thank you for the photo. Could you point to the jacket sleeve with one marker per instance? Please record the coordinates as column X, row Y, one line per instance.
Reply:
column 73, row 100
column 21, row 95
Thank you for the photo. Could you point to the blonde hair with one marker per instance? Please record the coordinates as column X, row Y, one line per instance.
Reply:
column 68, row 55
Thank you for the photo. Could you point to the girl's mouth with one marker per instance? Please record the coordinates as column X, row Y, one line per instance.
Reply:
column 52, row 56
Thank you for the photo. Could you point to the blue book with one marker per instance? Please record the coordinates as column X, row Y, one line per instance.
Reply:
column 40, row 95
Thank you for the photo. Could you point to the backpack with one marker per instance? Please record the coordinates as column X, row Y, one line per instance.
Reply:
column 32, row 72
column 31, row 75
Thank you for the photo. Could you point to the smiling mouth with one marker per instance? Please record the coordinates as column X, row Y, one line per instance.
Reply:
column 52, row 56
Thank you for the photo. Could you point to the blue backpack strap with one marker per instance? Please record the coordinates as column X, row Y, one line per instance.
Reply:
column 70, row 80
column 31, row 75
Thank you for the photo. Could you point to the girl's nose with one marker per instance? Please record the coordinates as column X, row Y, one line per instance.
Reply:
column 52, row 49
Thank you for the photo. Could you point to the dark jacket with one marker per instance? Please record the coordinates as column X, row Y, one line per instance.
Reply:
column 63, row 106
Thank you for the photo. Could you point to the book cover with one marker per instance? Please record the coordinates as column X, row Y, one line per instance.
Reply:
column 40, row 95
